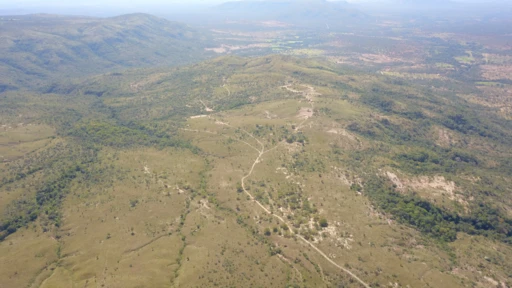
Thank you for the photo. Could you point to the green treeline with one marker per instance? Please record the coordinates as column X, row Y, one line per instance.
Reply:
column 420, row 160
column 128, row 135
column 455, row 116
column 47, row 201
column 437, row 222
column 65, row 164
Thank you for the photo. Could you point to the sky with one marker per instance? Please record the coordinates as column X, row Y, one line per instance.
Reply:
column 120, row 3
column 124, row 2
column 99, row 7
column 102, row 2
column 111, row 7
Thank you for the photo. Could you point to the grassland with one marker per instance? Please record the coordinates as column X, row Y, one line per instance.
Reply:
column 467, row 59
column 114, row 181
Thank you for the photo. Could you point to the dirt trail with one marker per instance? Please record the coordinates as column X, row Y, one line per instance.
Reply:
column 309, row 96
column 258, row 159
column 227, row 89
column 299, row 274
column 206, row 108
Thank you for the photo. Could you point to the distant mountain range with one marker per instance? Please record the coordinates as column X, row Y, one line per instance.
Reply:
column 435, row 5
column 36, row 47
column 299, row 12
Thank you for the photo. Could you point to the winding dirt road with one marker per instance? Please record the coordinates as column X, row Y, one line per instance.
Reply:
column 261, row 151
column 258, row 159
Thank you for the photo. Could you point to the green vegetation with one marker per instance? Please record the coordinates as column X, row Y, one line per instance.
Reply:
column 124, row 136
column 158, row 156
column 435, row 221
column 468, row 59
column 77, row 46
column 421, row 160
column 48, row 198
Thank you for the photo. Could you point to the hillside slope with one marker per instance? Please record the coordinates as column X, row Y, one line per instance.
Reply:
column 38, row 48
column 263, row 172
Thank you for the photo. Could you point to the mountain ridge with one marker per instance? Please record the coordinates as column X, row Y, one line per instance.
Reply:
column 43, row 45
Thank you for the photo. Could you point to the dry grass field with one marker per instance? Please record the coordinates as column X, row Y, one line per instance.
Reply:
column 251, row 173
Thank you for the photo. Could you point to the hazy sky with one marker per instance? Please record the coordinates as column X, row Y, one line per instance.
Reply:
column 114, row 2
column 37, row 5
column 101, row 2
column 167, row 8
column 50, row 5
column 125, row 2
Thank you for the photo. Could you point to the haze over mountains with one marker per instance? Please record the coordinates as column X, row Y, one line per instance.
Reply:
column 302, row 12
column 37, row 48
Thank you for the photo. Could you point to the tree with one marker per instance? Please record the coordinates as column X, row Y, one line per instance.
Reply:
column 323, row 222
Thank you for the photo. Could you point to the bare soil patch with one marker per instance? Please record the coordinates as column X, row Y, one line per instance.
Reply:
column 379, row 58
column 435, row 186
column 342, row 132
column 305, row 113
column 445, row 138
column 229, row 48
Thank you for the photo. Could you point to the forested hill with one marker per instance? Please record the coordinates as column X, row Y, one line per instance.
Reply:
column 38, row 48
